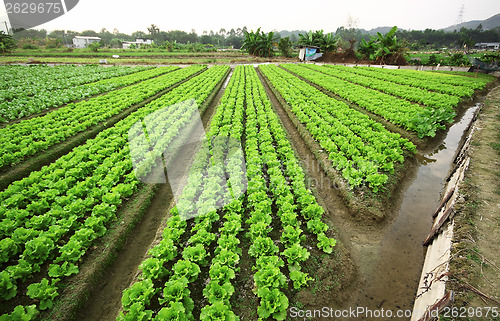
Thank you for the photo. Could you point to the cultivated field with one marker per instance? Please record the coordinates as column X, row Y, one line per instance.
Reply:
column 249, row 229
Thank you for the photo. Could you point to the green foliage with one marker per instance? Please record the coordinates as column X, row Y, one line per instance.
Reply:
column 8, row 248
column 7, row 43
column 177, row 291
column 21, row 313
column 8, row 288
column 38, row 249
column 217, row 311
column 459, row 59
column 94, row 46
column 202, row 237
column 285, row 47
column 262, row 246
column 273, row 303
column 153, row 268
column 296, row 254
column 292, row 235
column 221, row 273
column 433, row 60
column 326, row 244
column 60, row 270
column 384, row 49
column 196, row 254
column 299, row 279
column 327, row 42
column 259, row 44
column 258, row 229
column 165, row 250
column 227, row 257
column 269, row 276
column 187, row 269
column 316, row 226
column 264, row 261
column 136, row 312
column 98, row 168
column 215, row 292
column 174, row 312
column 140, row 292
column 44, row 292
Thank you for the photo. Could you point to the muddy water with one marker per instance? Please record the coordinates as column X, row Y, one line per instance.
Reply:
column 390, row 263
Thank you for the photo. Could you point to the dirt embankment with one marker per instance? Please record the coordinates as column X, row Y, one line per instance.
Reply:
column 475, row 261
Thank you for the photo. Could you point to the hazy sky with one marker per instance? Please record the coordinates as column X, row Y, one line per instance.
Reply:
column 128, row 16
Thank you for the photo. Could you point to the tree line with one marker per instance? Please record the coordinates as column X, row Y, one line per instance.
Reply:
column 349, row 38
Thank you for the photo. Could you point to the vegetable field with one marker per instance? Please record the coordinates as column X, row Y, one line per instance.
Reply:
column 246, row 210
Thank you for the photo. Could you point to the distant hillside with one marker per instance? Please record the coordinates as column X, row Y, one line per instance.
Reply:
column 286, row 33
column 382, row 30
column 490, row 23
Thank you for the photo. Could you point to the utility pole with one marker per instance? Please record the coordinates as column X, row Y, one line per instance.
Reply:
column 460, row 17
column 6, row 27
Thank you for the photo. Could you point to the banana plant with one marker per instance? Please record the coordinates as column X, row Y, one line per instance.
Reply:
column 385, row 49
column 259, row 43
column 327, row 42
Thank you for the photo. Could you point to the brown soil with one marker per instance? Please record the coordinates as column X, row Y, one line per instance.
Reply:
column 112, row 264
column 475, row 258
column 342, row 58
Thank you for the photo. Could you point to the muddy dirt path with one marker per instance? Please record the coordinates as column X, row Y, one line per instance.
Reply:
column 475, row 258
column 388, row 255
column 105, row 300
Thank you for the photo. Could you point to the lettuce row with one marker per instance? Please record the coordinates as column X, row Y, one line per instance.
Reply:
column 265, row 134
column 430, row 83
column 410, row 116
column 55, row 78
column 414, row 94
column 444, row 78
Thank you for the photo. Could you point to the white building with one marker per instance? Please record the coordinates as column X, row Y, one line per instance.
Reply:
column 138, row 43
column 84, row 41
column 488, row 45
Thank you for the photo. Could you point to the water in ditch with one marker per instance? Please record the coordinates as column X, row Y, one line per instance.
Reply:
column 390, row 263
